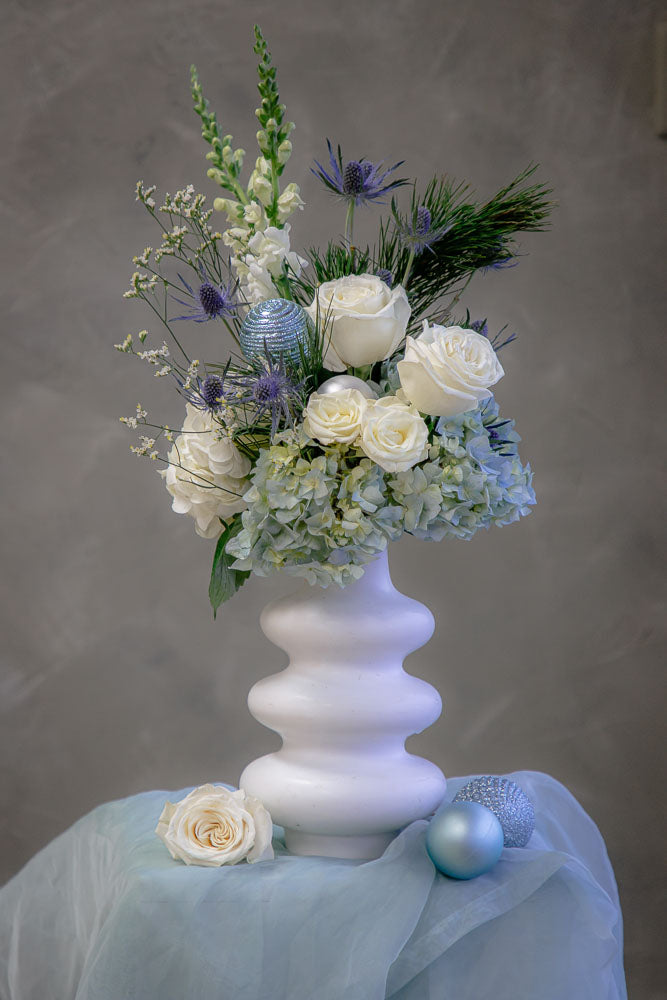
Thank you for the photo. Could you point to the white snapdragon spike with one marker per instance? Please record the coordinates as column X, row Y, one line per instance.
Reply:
column 213, row 826
column 393, row 434
column 289, row 201
column 448, row 370
column 271, row 247
column 267, row 252
column 257, row 284
column 366, row 320
column 236, row 238
column 207, row 473
column 232, row 209
column 254, row 215
column 260, row 184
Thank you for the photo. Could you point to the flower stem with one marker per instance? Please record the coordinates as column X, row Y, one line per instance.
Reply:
column 408, row 269
column 349, row 224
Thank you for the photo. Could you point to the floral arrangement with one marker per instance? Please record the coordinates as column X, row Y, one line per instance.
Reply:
column 355, row 403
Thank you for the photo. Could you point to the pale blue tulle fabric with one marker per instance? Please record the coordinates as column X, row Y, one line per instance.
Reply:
column 104, row 913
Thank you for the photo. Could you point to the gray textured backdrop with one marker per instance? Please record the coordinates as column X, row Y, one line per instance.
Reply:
column 547, row 653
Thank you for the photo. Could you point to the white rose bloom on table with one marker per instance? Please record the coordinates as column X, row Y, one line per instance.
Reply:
column 206, row 477
column 213, row 826
column 393, row 434
column 366, row 320
column 448, row 370
column 335, row 417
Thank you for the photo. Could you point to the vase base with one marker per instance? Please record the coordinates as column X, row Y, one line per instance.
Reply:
column 358, row 848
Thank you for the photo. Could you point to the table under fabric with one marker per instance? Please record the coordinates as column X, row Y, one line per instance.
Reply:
column 105, row 913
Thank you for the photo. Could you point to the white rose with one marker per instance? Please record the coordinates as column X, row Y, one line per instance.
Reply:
column 393, row 435
column 207, row 474
column 213, row 826
column 448, row 370
column 335, row 417
column 366, row 320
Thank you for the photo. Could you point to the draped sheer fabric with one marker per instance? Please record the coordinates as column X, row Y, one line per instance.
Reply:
column 104, row 913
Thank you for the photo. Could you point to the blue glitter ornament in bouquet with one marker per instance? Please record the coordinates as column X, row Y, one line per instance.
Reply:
column 276, row 328
column 507, row 801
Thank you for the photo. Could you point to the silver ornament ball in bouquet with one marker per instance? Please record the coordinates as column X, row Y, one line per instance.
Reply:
column 507, row 801
column 340, row 382
column 277, row 328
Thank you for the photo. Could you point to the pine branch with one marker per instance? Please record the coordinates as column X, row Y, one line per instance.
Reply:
column 472, row 236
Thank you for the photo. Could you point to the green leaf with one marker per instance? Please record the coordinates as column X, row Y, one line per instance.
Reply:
column 225, row 581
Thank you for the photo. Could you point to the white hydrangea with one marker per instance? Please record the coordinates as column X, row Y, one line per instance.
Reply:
column 207, row 474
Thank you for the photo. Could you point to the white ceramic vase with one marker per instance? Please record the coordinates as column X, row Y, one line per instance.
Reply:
column 342, row 784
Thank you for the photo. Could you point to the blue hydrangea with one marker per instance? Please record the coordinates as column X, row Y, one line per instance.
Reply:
column 324, row 512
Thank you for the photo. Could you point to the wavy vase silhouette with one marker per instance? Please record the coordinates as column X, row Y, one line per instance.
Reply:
column 342, row 784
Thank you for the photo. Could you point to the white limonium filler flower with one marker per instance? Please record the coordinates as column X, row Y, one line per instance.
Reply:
column 448, row 370
column 366, row 320
column 213, row 826
column 393, row 434
column 206, row 474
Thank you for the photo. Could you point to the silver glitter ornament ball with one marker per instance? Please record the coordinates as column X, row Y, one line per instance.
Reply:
column 509, row 803
column 276, row 327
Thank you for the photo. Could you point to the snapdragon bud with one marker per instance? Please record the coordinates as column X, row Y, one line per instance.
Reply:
column 284, row 151
column 233, row 209
column 216, row 175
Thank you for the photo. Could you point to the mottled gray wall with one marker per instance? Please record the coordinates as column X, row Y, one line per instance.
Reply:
column 114, row 676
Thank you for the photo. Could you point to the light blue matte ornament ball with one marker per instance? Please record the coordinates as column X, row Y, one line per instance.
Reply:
column 507, row 801
column 278, row 328
column 464, row 839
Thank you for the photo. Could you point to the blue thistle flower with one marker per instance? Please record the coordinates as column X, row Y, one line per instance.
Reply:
column 266, row 389
column 481, row 326
column 423, row 224
column 212, row 391
column 210, row 301
column 503, row 260
column 384, row 274
column 206, row 393
column 418, row 234
column 358, row 181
